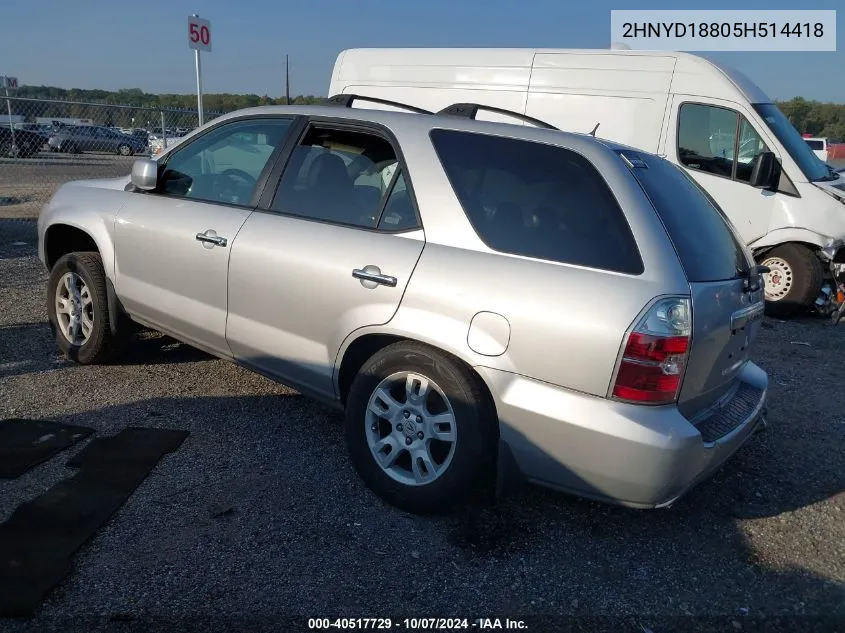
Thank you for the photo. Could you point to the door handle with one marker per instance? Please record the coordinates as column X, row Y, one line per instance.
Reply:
column 373, row 275
column 211, row 239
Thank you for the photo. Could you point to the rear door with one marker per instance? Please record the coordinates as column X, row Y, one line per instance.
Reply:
column 727, row 299
column 329, row 252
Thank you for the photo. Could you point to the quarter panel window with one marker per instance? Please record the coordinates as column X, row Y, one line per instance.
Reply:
column 537, row 200
column 225, row 164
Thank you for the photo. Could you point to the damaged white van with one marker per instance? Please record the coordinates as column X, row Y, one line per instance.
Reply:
column 711, row 120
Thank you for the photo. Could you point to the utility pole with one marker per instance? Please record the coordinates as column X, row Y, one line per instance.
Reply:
column 287, row 81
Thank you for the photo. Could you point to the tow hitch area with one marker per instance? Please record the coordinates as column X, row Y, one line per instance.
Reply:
column 834, row 298
column 831, row 299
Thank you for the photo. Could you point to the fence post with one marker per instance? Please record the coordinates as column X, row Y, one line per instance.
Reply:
column 9, row 110
column 163, row 132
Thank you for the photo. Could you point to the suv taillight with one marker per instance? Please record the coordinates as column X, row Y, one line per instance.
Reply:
column 655, row 354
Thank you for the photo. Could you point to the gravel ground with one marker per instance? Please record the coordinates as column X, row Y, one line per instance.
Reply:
column 259, row 517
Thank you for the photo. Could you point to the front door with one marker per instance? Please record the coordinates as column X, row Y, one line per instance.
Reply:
column 717, row 144
column 172, row 245
column 332, row 254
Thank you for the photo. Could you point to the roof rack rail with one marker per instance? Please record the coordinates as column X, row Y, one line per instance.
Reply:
column 470, row 110
column 346, row 100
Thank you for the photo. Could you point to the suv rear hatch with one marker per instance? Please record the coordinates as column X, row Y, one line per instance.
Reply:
column 726, row 288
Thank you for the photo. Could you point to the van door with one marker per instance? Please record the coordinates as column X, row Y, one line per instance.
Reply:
column 716, row 142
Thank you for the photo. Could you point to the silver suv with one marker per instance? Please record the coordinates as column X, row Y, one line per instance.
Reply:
column 483, row 300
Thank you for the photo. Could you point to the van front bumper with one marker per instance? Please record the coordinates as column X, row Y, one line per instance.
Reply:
column 632, row 455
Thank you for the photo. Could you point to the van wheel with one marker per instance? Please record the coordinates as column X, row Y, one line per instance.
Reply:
column 419, row 430
column 795, row 279
column 77, row 310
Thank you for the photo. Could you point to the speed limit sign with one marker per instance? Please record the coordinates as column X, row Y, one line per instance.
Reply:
column 199, row 34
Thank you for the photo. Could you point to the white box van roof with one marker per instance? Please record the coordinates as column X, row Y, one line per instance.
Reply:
column 679, row 73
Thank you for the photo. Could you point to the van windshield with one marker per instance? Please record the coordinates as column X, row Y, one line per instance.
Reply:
column 704, row 239
column 811, row 165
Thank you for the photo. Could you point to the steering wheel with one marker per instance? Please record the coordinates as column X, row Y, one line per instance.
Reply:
column 228, row 189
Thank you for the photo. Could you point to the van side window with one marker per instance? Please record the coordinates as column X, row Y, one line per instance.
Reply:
column 707, row 141
column 537, row 200
column 750, row 147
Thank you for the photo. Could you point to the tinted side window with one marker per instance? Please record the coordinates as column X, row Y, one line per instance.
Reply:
column 224, row 165
column 537, row 200
column 816, row 145
column 337, row 176
column 703, row 238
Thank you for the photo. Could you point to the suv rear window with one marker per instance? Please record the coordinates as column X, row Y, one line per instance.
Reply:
column 537, row 200
column 705, row 243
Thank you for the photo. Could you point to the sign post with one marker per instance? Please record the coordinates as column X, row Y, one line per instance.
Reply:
column 10, row 83
column 199, row 39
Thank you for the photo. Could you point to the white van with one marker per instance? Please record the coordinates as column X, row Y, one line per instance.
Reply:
column 711, row 120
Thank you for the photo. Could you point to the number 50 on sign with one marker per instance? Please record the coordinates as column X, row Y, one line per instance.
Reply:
column 199, row 34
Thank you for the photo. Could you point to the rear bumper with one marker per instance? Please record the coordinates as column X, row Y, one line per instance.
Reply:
column 636, row 456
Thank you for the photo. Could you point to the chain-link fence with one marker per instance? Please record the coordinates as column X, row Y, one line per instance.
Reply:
column 44, row 144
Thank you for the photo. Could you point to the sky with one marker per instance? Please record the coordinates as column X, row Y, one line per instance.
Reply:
column 112, row 45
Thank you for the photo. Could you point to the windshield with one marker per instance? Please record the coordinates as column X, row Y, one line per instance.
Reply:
column 811, row 165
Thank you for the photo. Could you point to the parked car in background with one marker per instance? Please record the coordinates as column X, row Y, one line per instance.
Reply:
column 93, row 138
column 159, row 143
column 819, row 145
column 510, row 301
column 28, row 143
column 836, row 150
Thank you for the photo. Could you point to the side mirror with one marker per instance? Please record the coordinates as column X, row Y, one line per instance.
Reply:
column 766, row 171
column 145, row 174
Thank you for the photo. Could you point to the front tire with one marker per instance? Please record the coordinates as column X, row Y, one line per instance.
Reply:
column 124, row 150
column 794, row 282
column 77, row 309
column 420, row 432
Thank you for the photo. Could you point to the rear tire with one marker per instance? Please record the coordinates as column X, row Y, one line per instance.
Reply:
column 91, row 342
column 458, row 465
column 794, row 282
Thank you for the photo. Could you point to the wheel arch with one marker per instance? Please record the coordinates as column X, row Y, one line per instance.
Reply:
column 61, row 238
column 358, row 349
column 803, row 237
